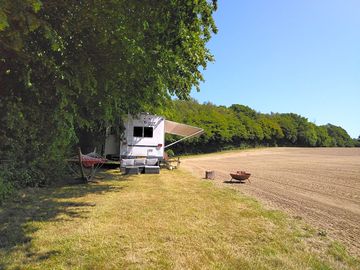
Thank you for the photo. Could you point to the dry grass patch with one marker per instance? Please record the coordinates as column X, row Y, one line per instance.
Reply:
column 171, row 221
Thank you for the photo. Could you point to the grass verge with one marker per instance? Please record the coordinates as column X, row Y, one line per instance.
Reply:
column 167, row 221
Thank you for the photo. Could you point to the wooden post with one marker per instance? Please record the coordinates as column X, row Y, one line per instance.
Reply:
column 210, row 175
column 81, row 166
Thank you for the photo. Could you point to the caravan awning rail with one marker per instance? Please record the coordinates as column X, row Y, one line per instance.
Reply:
column 182, row 130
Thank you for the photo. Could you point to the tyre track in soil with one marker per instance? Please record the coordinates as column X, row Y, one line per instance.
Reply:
column 320, row 185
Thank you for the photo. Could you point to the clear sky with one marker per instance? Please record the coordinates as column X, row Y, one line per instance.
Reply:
column 288, row 56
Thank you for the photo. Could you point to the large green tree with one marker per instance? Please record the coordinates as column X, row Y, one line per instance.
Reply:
column 69, row 66
column 339, row 136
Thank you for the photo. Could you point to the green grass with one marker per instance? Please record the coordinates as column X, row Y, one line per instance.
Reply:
column 167, row 221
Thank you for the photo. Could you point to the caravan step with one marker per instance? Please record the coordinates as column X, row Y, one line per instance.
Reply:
column 132, row 170
column 152, row 169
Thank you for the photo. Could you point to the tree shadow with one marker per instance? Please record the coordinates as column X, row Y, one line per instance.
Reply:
column 45, row 204
column 114, row 175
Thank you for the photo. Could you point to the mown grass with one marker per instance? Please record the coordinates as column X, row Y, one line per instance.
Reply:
column 167, row 221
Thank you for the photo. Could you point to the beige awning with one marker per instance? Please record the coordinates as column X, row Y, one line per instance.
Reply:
column 181, row 129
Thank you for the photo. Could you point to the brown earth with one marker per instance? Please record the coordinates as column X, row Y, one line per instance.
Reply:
column 321, row 185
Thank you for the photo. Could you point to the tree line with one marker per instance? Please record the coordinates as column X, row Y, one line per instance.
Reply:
column 240, row 126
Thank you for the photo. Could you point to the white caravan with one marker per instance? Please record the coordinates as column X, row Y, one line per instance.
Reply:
column 144, row 136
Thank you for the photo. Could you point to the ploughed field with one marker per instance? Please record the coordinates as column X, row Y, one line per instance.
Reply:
column 321, row 185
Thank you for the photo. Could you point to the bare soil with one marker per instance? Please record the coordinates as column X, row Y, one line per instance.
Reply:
column 320, row 185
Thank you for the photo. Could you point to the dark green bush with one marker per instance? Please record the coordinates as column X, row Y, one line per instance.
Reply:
column 6, row 188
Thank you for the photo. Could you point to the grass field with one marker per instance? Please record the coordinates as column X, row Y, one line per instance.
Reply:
column 167, row 221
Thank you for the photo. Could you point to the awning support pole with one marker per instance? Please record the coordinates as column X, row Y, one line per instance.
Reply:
column 187, row 137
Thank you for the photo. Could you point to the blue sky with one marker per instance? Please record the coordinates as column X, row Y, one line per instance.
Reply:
column 288, row 56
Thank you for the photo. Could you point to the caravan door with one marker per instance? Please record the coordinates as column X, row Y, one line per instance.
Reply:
column 111, row 147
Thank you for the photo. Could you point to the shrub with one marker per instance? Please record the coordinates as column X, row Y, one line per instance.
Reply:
column 6, row 189
column 170, row 153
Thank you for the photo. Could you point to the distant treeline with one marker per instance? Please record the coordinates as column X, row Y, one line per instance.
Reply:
column 240, row 126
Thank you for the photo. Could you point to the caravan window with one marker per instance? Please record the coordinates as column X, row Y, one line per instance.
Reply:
column 148, row 132
column 138, row 132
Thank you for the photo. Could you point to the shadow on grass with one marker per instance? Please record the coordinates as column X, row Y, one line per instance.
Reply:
column 42, row 205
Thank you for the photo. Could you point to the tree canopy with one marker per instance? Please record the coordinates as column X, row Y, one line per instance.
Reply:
column 241, row 126
column 68, row 66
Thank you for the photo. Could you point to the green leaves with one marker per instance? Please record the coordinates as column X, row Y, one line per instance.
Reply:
column 33, row 22
column 72, row 67
column 3, row 20
column 36, row 5
column 239, row 126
